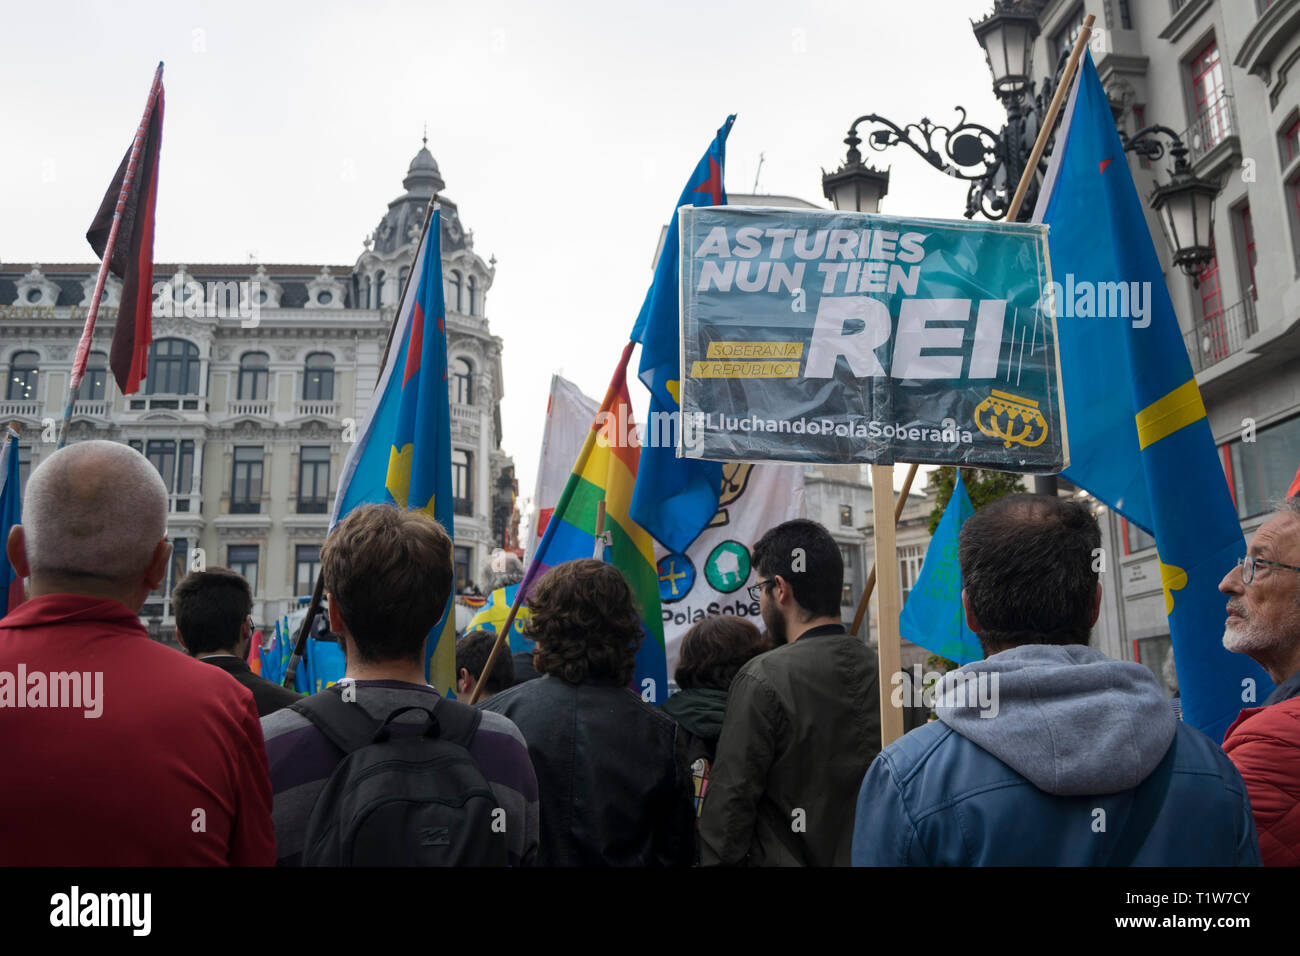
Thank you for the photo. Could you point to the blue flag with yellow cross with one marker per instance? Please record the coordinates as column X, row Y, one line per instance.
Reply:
column 1139, row 437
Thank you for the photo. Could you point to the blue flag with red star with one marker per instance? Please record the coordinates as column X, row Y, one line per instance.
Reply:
column 1139, row 437
column 675, row 498
column 402, row 455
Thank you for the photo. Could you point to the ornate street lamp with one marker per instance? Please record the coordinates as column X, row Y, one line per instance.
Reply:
column 855, row 186
column 1007, row 36
column 1184, row 205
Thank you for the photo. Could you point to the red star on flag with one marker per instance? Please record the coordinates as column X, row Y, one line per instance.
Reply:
column 712, row 185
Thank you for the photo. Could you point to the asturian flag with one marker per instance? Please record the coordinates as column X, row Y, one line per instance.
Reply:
column 1139, row 437
column 675, row 498
column 403, row 453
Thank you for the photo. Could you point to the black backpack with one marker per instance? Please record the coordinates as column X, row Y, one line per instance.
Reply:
column 402, row 800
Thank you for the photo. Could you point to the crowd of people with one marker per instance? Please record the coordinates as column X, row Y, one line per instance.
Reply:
column 1044, row 753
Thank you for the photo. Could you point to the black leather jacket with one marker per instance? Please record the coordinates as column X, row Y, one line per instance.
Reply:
column 614, row 788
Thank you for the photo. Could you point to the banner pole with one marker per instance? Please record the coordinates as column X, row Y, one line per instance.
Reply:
column 87, row 333
column 870, row 586
column 888, row 646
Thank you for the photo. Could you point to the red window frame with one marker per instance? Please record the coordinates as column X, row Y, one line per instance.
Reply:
column 1248, row 241
column 1208, row 91
column 1291, row 141
column 1212, row 309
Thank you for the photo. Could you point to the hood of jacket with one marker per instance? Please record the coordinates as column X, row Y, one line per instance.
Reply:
column 1066, row 717
column 699, row 709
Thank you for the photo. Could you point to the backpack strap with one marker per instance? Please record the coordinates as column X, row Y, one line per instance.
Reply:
column 1148, row 800
column 345, row 725
column 349, row 727
column 459, row 722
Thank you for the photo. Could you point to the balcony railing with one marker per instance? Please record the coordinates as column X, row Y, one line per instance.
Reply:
column 259, row 408
column 91, row 408
column 1213, row 341
column 1216, row 123
column 187, row 403
column 466, row 413
column 20, row 409
column 463, row 506
column 315, row 407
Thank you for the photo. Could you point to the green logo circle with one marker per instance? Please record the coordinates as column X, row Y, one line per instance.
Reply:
column 727, row 568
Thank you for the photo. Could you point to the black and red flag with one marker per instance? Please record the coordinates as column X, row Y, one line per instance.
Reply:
column 130, row 201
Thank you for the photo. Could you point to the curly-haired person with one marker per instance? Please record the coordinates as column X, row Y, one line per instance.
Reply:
column 611, row 772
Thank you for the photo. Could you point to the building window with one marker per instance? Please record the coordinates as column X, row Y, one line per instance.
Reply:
column 379, row 289
column 246, row 483
column 1213, row 328
column 1063, row 39
column 846, row 516
column 462, row 382
column 846, row 595
column 306, row 564
column 22, row 377
column 471, row 284
column 318, row 380
column 454, row 290
column 1263, row 470
column 402, row 273
column 173, row 368
column 242, row 559
column 175, row 464
column 1135, row 539
column 1139, row 123
column 1246, row 247
column 1291, row 141
column 24, row 468
column 846, row 555
column 461, row 477
column 910, row 559
column 313, row 479
column 93, row 385
column 1209, row 95
column 1293, row 213
column 180, row 566
column 1125, row 15
column 253, row 376
column 463, row 558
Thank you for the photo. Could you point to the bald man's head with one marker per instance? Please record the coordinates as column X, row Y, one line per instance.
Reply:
column 93, row 512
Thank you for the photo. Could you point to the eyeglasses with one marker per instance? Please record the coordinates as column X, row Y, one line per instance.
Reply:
column 1250, row 562
column 756, row 590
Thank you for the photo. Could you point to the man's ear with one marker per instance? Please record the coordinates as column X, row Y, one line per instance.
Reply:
column 971, row 621
column 464, row 683
column 16, row 550
column 180, row 639
column 781, row 590
column 157, row 570
column 335, row 616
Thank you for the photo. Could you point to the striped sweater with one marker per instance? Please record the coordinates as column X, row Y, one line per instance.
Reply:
column 301, row 761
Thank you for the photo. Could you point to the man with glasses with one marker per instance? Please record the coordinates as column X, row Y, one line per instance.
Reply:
column 1264, row 623
column 802, row 722
column 214, row 625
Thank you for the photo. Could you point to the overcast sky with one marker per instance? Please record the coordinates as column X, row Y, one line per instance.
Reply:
column 564, row 131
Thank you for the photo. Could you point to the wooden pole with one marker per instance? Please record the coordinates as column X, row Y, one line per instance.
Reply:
column 83, row 346
column 502, row 635
column 1049, row 120
column 888, row 648
column 871, row 578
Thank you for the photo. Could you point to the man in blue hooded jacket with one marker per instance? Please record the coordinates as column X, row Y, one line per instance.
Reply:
column 1048, row 753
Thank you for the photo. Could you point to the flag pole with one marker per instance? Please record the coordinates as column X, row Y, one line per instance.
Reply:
column 497, row 645
column 83, row 346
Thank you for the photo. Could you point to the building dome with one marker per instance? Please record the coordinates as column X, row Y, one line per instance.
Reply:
column 422, row 176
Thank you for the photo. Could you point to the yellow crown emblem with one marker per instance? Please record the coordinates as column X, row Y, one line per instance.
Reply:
column 1016, row 420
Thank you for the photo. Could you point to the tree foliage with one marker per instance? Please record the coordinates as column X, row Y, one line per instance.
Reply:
column 982, row 484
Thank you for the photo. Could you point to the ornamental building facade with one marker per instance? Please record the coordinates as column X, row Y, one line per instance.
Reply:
column 260, row 377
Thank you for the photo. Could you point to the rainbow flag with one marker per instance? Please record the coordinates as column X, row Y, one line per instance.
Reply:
column 606, row 471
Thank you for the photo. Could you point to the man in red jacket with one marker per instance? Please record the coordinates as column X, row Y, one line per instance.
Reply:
column 115, row 750
column 1264, row 622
